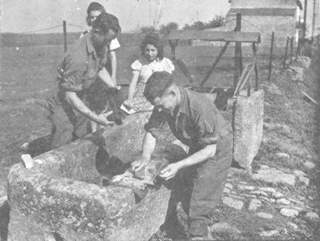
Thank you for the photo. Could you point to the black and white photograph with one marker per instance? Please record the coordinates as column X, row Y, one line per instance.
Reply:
column 159, row 120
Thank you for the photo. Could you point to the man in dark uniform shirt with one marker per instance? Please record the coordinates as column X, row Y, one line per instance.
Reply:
column 198, row 180
column 81, row 69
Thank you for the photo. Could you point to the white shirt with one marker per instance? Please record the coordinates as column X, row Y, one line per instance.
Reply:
column 146, row 68
column 114, row 43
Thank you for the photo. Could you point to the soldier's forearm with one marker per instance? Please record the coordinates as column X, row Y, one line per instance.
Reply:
column 200, row 156
column 149, row 143
column 114, row 66
column 77, row 103
column 106, row 78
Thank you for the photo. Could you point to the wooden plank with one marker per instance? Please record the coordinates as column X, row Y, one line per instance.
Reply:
column 281, row 12
column 243, row 79
column 246, row 37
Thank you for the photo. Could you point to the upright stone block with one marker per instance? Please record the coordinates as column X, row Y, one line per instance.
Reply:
column 248, row 127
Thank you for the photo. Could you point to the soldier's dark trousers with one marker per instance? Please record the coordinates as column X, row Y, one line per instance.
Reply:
column 67, row 126
column 199, row 188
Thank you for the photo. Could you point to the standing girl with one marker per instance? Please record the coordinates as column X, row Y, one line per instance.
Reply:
column 93, row 11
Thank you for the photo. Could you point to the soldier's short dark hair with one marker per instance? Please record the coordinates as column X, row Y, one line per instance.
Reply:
column 106, row 21
column 157, row 84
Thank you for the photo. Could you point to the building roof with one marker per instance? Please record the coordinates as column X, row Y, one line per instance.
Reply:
column 265, row 3
column 263, row 11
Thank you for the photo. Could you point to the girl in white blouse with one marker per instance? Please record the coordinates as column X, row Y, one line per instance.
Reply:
column 151, row 60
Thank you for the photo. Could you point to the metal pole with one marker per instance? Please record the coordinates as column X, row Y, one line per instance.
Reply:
column 64, row 23
column 271, row 56
column 237, row 53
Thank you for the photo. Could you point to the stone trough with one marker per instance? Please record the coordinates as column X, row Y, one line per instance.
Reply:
column 62, row 193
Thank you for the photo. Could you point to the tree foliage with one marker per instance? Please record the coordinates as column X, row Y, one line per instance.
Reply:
column 167, row 28
column 217, row 21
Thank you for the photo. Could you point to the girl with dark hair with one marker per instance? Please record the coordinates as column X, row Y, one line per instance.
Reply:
column 151, row 60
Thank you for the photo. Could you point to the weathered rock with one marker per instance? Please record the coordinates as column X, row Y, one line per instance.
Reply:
column 269, row 233
column 283, row 155
column 277, row 195
column 23, row 228
column 299, row 173
column 224, row 228
column 272, row 175
column 289, row 212
column 254, row 204
column 309, row 165
column 260, row 193
column 228, row 186
column 233, row 203
column 248, row 128
column 283, row 201
column 265, row 215
column 304, row 180
column 245, row 187
column 56, row 195
column 293, row 225
column 312, row 216
column 268, row 189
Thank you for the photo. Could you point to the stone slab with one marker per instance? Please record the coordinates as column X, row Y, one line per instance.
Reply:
column 248, row 127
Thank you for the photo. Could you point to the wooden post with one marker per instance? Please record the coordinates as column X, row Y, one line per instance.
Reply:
column 286, row 53
column 255, row 62
column 291, row 49
column 173, row 44
column 237, row 53
column 271, row 56
column 64, row 23
column 298, row 48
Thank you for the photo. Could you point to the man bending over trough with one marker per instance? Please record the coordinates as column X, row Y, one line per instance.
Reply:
column 197, row 180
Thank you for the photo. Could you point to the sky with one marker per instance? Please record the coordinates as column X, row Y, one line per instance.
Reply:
column 26, row 16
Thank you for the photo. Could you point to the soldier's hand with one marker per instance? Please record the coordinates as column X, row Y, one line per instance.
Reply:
column 170, row 171
column 103, row 119
column 139, row 164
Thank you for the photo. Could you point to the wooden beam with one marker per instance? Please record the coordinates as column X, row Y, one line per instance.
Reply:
column 245, row 37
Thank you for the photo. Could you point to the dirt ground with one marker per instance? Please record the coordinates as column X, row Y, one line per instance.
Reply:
column 290, row 140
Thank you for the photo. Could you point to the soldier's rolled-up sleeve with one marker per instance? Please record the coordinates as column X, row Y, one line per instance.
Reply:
column 206, row 129
column 156, row 123
column 70, row 73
